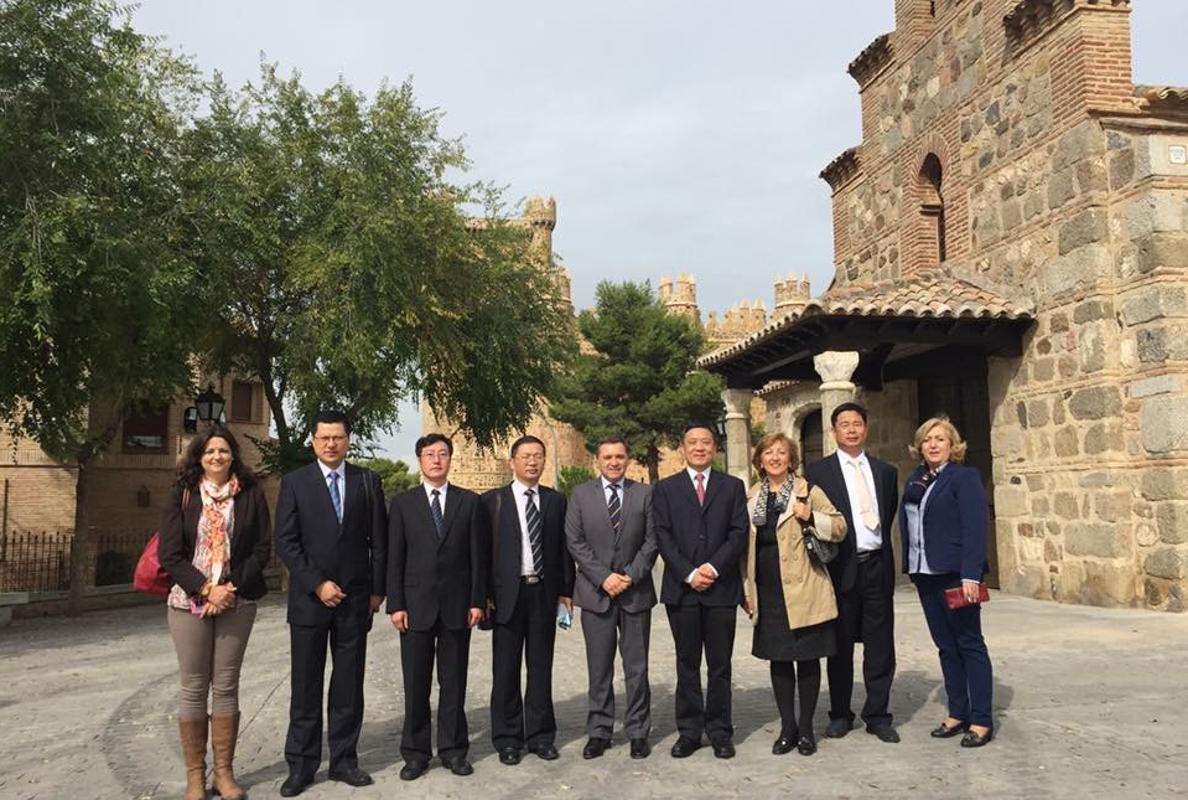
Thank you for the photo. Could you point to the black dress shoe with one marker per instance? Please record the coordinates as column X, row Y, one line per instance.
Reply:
column 971, row 739
column 510, row 756
column 684, row 747
column 807, row 745
column 838, row 728
column 413, row 770
column 547, row 751
column 640, row 748
column 351, row 776
column 723, row 750
column 783, row 745
column 459, row 766
column 943, row 731
column 294, row 785
column 885, row 733
column 595, row 747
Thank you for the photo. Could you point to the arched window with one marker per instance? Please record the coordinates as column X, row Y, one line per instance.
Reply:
column 932, row 211
column 811, row 442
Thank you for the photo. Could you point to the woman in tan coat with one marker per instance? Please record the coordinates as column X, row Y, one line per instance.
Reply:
column 788, row 595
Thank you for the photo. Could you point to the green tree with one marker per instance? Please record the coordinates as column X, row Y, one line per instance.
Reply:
column 351, row 275
column 395, row 474
column 97, row 301
column 640, row 381
column 571, row 476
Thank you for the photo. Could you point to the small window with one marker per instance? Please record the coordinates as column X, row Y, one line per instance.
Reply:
column 243, row 405
column 932, row 209
column 145, row 430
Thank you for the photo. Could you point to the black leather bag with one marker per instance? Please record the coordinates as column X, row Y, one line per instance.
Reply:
column 819, row 550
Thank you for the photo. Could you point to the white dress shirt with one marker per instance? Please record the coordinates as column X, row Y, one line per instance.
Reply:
column 340, row 471
column 865, row 539
column 621, row 483
column 519, row 491
column 429, row 489
column 705, row 473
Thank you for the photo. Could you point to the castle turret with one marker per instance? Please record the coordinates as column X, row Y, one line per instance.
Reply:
column 540, row 215
column 791, row 295
column 680, row 296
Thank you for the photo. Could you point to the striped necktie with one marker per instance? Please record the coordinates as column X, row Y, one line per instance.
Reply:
column 336, row 495
column 615, row 509
column 535, row 527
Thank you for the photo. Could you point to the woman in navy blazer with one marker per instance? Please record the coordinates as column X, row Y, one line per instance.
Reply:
column 943, row 521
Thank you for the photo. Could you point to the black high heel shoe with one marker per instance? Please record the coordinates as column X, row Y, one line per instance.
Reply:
column 783, row 745
column 971, row 739
column 943, row 731
column 807, row 745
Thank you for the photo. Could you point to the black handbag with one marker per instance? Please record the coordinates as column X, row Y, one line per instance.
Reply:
column 819, row 550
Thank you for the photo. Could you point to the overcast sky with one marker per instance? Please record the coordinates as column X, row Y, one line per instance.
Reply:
column 676, row 135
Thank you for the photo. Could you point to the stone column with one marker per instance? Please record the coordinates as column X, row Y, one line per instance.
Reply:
column 835, row 369
column 738, row 432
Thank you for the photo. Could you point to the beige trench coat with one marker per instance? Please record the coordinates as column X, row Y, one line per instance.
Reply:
column 808, row 591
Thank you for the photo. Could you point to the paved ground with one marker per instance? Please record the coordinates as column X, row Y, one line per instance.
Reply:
column 1087, row 701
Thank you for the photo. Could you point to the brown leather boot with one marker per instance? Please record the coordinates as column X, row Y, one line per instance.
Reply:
column 193, row 742
column 224, row 730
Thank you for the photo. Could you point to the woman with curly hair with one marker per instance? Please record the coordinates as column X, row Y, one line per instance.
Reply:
column 215, row 542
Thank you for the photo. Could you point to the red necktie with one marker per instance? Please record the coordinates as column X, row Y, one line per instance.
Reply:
column 700, row 480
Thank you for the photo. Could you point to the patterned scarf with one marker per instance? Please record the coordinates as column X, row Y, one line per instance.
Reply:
column 212, row 552
column 918, row 484
column 759, row 519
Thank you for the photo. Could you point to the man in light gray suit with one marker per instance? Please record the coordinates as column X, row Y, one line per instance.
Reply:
column 608, row 527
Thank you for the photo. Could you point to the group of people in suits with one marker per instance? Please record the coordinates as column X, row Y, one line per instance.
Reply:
column 519, row 558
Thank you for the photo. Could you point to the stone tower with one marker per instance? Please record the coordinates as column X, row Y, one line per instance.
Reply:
column 680, row 296
column 791, row 295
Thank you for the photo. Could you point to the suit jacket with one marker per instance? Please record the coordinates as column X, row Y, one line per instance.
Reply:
column 827, row 473
column 315, row 547
column 506, row 566
column 690, row 534
column 251, row 541
column 956, row 517
column 434, row 577
column 597, row 551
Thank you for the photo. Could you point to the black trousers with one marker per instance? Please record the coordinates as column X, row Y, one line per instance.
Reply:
column 698, row 629
column 524, row 718
column 418, row 650
column 347, row 636
column 865, row 614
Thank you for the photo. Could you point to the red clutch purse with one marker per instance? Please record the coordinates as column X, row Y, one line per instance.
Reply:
column 955, row 597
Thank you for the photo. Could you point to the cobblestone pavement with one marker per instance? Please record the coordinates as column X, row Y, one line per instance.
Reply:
column 1086, row 701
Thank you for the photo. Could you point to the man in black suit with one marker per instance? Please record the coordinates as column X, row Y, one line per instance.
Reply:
column 530, row 574
column 437, row 589
column 866, row 491
column 701, row 527
column 331, row 533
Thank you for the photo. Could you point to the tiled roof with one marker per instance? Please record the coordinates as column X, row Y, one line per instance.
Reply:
column 931, row 293
column 1163, row 99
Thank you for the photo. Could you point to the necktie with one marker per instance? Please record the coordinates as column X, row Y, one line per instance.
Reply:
column 615, row 508
column 700, row 480
column 866, row 509
column 335, row 495
column 435, row 507
column 532, row 514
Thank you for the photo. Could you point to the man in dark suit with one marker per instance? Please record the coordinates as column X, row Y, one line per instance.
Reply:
column 609, row 530
column 865, row 490
column 701, row 527
column 438, row 557
column 531, row 572
column 331, row 533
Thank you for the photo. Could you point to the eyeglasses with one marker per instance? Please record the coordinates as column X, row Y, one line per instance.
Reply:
column 529, row 457
column 329, row 439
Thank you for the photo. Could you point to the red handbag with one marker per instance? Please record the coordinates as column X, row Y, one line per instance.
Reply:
column 150, row 577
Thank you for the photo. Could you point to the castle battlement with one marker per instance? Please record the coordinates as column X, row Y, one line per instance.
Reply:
column 791, row 294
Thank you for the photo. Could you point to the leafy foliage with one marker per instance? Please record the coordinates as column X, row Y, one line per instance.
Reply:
column 349, row 274
column 571, row 476
column 395, row 474
column 640, row 381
